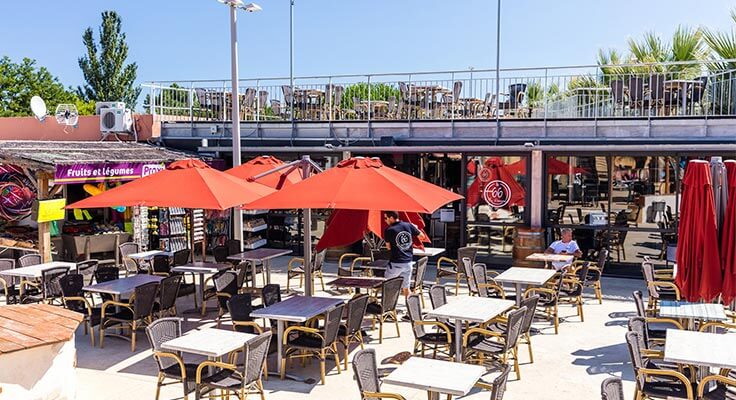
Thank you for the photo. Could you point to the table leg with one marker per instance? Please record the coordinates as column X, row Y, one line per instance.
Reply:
column 458, row 340
column 267, row 271
column 433, row 395
column 518, row 294
column 280, row 346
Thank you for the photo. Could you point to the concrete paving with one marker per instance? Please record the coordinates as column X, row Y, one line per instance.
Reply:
column 570, row 365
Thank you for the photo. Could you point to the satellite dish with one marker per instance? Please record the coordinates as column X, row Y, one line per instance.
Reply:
column 38, row 107
column 66, row 114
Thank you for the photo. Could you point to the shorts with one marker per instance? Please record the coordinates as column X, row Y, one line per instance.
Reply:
column 400, row 269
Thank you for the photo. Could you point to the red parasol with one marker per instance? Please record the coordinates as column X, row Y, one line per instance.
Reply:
column 263, row 164
column 187, row 183
column 728, row 236
column 487, row 180
column 345, row 227
column 554, row 167
column 698, row 261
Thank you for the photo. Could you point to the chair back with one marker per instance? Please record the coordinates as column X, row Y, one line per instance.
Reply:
column 602, row 259
column 250, row 98
column 355, row 313
column 647, row 270
column 390, row 290
column 612, row 389
column 126, row 249
column 50, row 281
column 421, row 270
column 5, row 265
column 71, row 286
column 513, row 327
column 637, row 361
column 641, row 310
column 617, row 91
column 639, row 325
column 169, row 291
column 414, row 308
column 469, row 252
column 271, row 294
column 288, row 95
column 531, row 308
column 181, row 257
column 255, row 352
column 262, row 99
column 160, row 331
column 366, row 372
column 106, row 273
column 319, row 260
column 516, row 94
column 499, row 384
column 226, row 282
column 220, row 253
column 30, row 259
column 438, row 298
column 145, row 297
column 275, row 107
column 87, row 269
column 582, row 275
column 636, row 88
column 457, row 86
column 480, row 279
column 339, row 93
column 240, row 306
column 241, row 270
column 233, row 246
column 332, row 325
column 161, row 264
column 656, row 87
column 467, row 269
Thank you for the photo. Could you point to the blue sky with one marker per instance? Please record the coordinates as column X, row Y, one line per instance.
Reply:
column 189, row 39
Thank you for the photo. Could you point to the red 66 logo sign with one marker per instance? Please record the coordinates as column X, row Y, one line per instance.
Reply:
column 497, row 194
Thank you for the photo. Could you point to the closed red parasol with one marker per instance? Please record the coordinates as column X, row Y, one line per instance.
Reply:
column 698, row 261
column 728, row 236
column 187, row 183
column 495, row 185
column 345, row 227
column 263, row 164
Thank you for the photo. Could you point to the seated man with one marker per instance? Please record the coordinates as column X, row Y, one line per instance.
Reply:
column 564, row 246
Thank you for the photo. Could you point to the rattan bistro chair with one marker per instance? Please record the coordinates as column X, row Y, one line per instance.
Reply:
column 437, row 341
column 658, row 289
column 170, row 364
column 302, row 341
column 572, row 290
column 29, row 259
column 241, row 380
column 106, row 273
column 168, row 293
column 349, row 332
column 485, row 287
column 384, row 309
column 135, row 313
column 130, row 265
column 525, row 337
column 656, row 383
column 656, row 327
column 498, row 386
column 240, row 306
column 723, row 390
column 612, row 389
column 47, row 291
column 549, row 300
column 497, row 345
column 454, row 268
column 74, row 299
column 417, row 283
column 211, row 292
column 296, row 268
column 366, row 373
column 594, row 273
column 87, row 269
column 10, row 288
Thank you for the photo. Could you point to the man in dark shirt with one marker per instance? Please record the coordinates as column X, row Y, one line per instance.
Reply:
column 399, row 236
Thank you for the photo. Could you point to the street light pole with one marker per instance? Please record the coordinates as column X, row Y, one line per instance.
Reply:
column 235, row 115
column 291, row 61
column 498, row 73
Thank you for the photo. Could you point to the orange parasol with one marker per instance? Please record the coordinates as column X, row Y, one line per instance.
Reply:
column 263, row 164
column 345, row 227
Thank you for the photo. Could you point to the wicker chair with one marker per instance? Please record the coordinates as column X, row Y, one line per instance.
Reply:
column 168, row 293
column 417, row 284
column 653, row 356
column 467, row 271
column 47, row 291
column 385, row 308
column 226, row 286
column 453, row 270
column 30, row 259
column 130, row 265
column 230, row 377
column 612, row 389
column 549, row 300
column 366, row 373
column 595, row 272
column 656, row 383
column 723, row 390
column 572, row 289
column 160, row 265
column 498, row 386
column 170, row 364
column 437, row 341
column 220, row 253
column 135, row 313
column 240, row 306
column 658, row 289
column 181, row 257
column 525, row 337
column 106, row 273
column 210, row 292
column 296, row 268
column 9, row 284
column 74, row 299
column 484, row 287
column 349, row 331
column 87, row 270
column 498, row 346
column 302, row 341
column 656, row 331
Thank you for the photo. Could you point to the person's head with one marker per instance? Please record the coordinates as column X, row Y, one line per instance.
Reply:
column 566, row 234
column 390, row 216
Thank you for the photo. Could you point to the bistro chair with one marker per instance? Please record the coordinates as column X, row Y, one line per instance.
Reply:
column 220, row 253
column 106, row 273
column 181, row 257
column 349, row 332
column 47, row 290
column 499, row 346
column 210, row 292
column 498, row 386
column 384, row 309
column 612, row 389
column 658, row 289
column 417, row 284
column 73, row 299
column 87, row 270
column 453, row 270
column 29, row 259
column 9, row 284
column 225, row 286
column 160, row 265
column 467, row 271
column 240, row 306
column 485, row 287
column 572, row 289
column 135, row 313
column 652, row 356
column 525, row 337
column 437, row 341
column 296, row 268
column 168, row 293
column 170, row 364
column 594, row 273
column 302, row 341
column 130, row 265
column 723, row 390
column 656, row 327
column 655, row 383
column 230, row 377
column 365, row 369
column 549, row 300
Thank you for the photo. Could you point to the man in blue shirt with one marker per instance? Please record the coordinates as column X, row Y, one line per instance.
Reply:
column 399, row 236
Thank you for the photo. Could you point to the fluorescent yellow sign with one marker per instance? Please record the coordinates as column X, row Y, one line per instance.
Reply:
column 51, row 210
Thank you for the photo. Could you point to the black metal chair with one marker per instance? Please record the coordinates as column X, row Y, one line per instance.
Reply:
column 230, row 377
column 29, row 259
column 305, row 341
column 383, row 309
column 170, row 364
column 47, row 290
column 612, row 389
column 365, row 369
column 10, row 288
column 87, row 269
column 74, row 299
column 440, row 340
column 655, row 383
column 498, row 386
column 349, row 332
column 168, row 293
column 135, row 313
column 498, row 346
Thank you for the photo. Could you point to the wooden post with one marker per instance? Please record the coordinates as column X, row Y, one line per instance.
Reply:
column 537, row 196
column 44, row 228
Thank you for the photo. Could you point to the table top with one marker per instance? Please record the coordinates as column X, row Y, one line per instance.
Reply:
column 429, row 252
column 683, row 309
column 123, row 285
column 436, row 376
column 35, row 271
column 357, row 282
column 259, row 254
column 700, row 348
column 209, row 342
column 432, row 88
column 550, row 257
column 202, row 267
column 528, row 276
column 472, row 309
column 146, row 255
column 298, row 308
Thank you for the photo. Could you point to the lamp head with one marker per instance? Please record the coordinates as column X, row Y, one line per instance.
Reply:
column 250, row 7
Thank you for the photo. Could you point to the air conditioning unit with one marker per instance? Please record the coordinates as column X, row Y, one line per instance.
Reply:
column 114, row 117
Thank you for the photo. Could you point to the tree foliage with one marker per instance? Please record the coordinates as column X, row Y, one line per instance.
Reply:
column 723, row 44
column 107, row 76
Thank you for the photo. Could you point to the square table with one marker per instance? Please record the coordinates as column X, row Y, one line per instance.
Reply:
column 211, row 342
column 548, row 258
column 436, row 376
column 357, row 282
column 692, row 311
column 295, row 309
column 470, row 309
column 700, row 348
column 525, row 276
column 36, row 271
column 263, row 255
column 201, row 268
column 122, row 286
column 428, row 252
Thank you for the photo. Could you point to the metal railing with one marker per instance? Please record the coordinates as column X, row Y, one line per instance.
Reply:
column 648, row 90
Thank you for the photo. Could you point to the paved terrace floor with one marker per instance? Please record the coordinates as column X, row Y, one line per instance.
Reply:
column 570, row 365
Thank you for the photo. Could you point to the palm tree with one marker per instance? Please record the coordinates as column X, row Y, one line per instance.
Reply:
column 723, row 80
column 687, row 45
column 723, row 44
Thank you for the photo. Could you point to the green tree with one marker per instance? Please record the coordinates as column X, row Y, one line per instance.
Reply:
column 379, row 91
column 723, row 45
column 687, row 44
column 107, row 75
column 21, row 81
